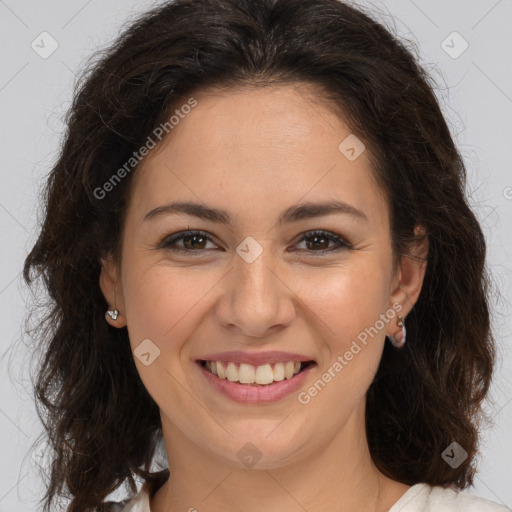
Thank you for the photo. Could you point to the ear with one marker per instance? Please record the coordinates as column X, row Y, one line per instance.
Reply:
column 409, row 279
column 110, row 285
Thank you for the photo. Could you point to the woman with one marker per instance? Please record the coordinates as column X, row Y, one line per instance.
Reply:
column 258, row 249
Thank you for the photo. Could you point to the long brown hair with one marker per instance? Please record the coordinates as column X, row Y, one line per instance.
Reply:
column 99, row 419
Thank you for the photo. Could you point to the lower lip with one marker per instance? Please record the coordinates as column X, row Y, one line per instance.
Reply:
column 257, row 394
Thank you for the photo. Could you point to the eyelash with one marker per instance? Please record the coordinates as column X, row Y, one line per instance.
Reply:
column 169, row 241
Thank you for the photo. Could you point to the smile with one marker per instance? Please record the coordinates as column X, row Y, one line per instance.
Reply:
column 251, row 374
column 253, row 384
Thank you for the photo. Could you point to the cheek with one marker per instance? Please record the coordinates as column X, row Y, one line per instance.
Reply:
column 346, row 300
column 166, row 305
column 347, row 308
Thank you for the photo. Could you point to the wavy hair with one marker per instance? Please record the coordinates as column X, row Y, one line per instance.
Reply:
column 98, row 417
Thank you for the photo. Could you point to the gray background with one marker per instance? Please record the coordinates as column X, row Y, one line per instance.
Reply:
column 475, row 90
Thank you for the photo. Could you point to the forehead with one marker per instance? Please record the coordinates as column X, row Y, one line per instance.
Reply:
column 257, row 151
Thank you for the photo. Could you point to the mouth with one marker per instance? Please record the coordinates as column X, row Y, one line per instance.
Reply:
column 264, row 375
column 254, row 383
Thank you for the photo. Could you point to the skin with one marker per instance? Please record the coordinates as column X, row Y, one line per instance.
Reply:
column 254, row 153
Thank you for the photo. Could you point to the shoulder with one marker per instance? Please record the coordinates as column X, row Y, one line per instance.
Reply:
column 138, row 503
column 419, row 498
column 115, row 506
column 446, row 499
column 425, row 498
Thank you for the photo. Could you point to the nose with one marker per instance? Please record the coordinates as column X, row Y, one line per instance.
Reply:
column 256, row 299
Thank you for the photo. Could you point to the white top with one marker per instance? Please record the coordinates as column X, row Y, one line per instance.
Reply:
column 418, row 498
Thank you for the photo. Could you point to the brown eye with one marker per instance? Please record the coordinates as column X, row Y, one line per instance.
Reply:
column 186, row 242
column 194, row 241
column 318, row 241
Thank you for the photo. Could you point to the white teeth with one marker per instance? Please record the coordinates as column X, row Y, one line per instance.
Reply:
column 279, row 371
column 250, row 374
column 246, row 373
column 220, row 371
column 288, row 369
column 264, row 374
column 232, row 372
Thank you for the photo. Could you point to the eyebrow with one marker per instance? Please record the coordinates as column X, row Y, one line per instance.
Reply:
column 292, row 214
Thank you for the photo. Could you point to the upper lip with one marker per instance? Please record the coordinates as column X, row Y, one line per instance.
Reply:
column 256, row 358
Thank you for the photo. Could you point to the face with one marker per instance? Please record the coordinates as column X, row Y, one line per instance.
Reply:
column 276, row 284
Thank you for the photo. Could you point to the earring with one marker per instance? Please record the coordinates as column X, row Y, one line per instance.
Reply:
column 113, row 313
column 399, row 341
